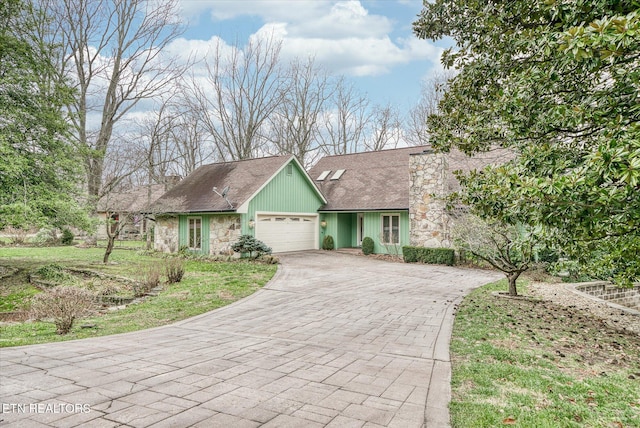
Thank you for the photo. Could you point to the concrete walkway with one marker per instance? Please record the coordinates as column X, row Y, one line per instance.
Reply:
column 334, row 340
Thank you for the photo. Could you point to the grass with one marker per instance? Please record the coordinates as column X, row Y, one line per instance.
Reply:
column 205, row 286
column 528, row 363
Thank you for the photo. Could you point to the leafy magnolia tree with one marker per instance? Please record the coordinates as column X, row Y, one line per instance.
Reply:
column 558, row 83
column 510, row 249
column 38, row 165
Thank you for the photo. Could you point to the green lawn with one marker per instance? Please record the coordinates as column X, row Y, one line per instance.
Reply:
column 530, row 363
column 206, row 285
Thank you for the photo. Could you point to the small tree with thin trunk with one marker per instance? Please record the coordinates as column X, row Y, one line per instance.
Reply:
column 113, row 228
column 508, row 248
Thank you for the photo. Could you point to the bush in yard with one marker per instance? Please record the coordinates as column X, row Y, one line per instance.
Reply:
column 63, row 305
column 174, row 268
column 16, row 235
column 247, row 244
column 439, row 256
column 67, row 237
column 54, row 273
column 148, row 279
column 367, row 246
column 45, row 236
column 327, row 243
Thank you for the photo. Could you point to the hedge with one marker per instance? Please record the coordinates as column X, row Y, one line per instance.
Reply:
column 440, row 256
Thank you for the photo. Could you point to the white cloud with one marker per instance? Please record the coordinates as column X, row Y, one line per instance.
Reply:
column 345, row 19
column 342, row 35
column 357, row 56
column 272, row 10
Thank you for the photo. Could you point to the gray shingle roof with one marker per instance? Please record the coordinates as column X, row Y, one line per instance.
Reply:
column 380, row 180
column 244, row 178
column 131, row 200
column 371, row 181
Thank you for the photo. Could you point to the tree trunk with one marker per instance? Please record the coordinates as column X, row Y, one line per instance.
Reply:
column 512, row 277
column 110, row 241
column 148, row 230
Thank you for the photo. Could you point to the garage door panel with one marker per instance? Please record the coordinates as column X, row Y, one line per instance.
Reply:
column 287, row 232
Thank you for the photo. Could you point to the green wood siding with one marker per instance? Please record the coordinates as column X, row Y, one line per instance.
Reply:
column 288, row 192
column 183, row 228
column 346, row 227
column 331, row 229
column 373, row 229
column 343, row 228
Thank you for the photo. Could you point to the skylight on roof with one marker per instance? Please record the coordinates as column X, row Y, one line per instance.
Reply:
column 338, row 174
column 323, row 175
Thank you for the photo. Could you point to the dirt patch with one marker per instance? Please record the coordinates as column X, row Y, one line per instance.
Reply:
column 572, row 337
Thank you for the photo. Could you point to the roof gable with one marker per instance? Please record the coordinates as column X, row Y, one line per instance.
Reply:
column 371, row 180
column 292, row 160
column 243, row 180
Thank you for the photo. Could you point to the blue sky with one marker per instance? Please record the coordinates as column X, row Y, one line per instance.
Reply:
column 369, row 41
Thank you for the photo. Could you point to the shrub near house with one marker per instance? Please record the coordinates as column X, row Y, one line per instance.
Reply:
column 444, row 256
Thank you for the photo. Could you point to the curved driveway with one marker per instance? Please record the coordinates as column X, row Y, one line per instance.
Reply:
column 333, row 340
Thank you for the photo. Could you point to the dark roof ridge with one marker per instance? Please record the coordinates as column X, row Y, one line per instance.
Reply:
column 378, row 151
column 247, row 159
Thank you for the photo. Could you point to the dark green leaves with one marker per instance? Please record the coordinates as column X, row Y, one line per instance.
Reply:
column 558, row 83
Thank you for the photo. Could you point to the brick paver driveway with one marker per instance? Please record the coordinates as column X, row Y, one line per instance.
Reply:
column 334, row 340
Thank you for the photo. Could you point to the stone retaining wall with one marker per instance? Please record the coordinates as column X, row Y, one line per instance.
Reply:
column 629, row 297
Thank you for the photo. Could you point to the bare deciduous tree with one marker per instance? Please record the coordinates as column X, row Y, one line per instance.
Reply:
column 112, row 52
column 295, row 124
column 385, row 131
column 243, row 88
column 416, row 131
column 188, row 136
column 345, row 122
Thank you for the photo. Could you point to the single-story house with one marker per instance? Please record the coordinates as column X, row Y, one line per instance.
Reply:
column 271, row 198
column 125, row 208
column 385, row 195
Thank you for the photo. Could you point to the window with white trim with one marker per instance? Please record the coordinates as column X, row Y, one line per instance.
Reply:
column 195, row 233
column 390, row 229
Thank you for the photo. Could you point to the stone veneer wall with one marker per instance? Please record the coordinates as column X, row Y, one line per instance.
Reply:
column 224, row 231
column 428, row 219
column 166, row 234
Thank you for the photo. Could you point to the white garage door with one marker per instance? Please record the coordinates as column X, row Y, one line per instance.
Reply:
column 287, row 232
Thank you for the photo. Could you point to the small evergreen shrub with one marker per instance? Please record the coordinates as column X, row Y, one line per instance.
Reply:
column 439, row 256
column 367, row 246
column 247, row 244
column 53, row 272
column 327, row 243
column 67, row 237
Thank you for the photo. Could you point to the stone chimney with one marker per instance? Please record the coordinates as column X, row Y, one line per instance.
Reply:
column 429, row 221
column 170, row 181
